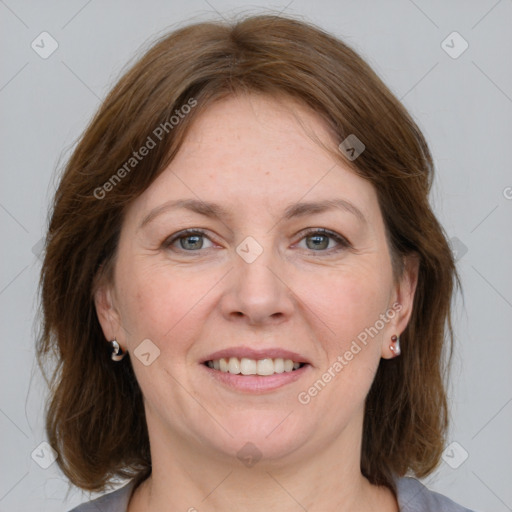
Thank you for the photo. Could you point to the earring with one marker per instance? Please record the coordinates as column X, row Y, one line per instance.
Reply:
column 117, row 352
column 395, row 346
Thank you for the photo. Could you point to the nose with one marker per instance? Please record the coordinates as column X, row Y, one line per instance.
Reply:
column 258, row 292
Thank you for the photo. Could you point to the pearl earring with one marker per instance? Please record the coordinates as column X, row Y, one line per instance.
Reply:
column 395, row 345
column 117, row 352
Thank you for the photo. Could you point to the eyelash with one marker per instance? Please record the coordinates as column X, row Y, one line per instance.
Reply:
column 343, row 242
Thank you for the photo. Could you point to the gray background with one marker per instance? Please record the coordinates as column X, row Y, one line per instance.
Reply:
column 462, row 104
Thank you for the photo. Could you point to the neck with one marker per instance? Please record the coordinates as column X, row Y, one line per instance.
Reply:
column 315, row 479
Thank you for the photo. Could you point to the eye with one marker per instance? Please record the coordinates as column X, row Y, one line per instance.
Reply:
column 319, row 240
column 190, row 240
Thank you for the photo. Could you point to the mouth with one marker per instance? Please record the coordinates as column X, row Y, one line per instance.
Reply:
column 250, row 371
column 262, row 367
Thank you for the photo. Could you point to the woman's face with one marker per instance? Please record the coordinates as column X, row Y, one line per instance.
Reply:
column 257, row 286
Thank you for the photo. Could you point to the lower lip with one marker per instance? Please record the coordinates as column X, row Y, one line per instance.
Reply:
column 257, row 383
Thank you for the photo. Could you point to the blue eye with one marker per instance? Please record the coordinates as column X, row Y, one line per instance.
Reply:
column 320, row 240
column 192, row 240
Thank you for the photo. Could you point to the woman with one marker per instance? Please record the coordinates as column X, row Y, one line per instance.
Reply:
column 245, row 286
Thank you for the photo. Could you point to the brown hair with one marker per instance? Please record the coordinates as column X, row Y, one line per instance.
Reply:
column 95, row 418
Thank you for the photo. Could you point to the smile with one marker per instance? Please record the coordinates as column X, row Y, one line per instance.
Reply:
column 247, row 366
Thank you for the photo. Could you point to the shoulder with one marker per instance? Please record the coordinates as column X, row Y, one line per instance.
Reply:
column 413, row 496
column 116, row 501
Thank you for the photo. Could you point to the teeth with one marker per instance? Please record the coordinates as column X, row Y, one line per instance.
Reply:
column 233, row 365
column 279, row 365
column 223, row 365
column 265, row 367
column 246, row 366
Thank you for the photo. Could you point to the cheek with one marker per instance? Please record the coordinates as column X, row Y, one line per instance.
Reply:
column 348, row 305
column 347, row 301
column 157, row 302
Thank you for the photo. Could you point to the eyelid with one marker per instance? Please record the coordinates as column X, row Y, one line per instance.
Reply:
column 184, row 233
column 340, row 239
column 323, row 231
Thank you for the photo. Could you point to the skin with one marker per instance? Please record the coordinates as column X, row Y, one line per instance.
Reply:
column 251, row 155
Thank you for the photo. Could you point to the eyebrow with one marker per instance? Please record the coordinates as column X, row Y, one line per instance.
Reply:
column 214, row 210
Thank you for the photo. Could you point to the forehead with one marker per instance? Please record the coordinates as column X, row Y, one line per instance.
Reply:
column 260, row 124
column 255, row 149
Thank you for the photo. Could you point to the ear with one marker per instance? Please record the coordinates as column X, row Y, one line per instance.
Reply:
column 402, row 301
column 108, row 315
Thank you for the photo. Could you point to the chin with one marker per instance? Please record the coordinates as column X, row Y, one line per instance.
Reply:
column 259, row 435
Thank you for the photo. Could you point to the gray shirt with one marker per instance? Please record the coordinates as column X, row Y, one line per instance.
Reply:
column 412, row 496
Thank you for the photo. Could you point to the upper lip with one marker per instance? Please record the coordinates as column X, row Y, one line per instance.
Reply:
column 250, row 353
